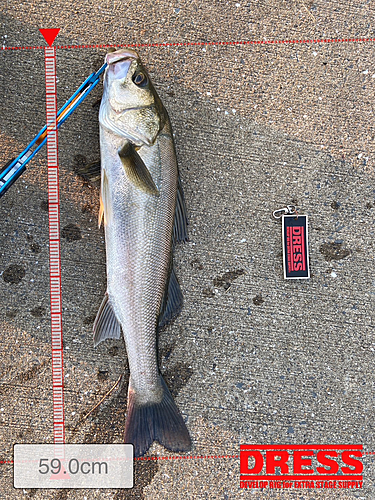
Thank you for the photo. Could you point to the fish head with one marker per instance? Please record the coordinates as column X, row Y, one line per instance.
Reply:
column 130, row 105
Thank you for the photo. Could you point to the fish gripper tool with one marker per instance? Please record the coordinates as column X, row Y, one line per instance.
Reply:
column 14, row 168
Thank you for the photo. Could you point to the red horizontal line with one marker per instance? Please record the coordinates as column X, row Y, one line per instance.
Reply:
column 301, row 478
column 162, row 458
column 187, row 457
column 159, row 458
column 190, row 44
column 195, row 457
column 243, row 477
column 249, row 447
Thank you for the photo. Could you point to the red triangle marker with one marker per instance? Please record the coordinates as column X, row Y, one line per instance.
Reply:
column 49, row 34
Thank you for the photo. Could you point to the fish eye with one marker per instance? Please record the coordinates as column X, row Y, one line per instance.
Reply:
column 140, row 79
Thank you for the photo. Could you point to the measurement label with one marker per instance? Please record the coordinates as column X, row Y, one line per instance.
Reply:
column 83, row 466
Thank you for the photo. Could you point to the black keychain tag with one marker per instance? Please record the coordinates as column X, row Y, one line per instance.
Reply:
column 295, row 243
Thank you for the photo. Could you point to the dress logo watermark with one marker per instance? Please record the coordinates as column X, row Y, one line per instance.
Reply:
column 301, row 466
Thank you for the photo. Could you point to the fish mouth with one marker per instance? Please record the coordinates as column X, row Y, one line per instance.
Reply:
column 119, row 62
column 119, row 55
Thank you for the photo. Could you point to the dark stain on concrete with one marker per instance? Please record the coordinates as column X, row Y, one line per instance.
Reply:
column 89, row 320
column 28, row 374
column 71, row 232
column 196, row 264
column 369, row 205
column 38, row 311
column 334, row 251
column 11, row 313
column 14, row 274
column 335, row 205
column 227, row 278
column 79, row 162
column 44, row 205
column 113, row 351
column 177, row 377
column 258, row 300
column 25, row 432
column 102, row 375
column 31, row 372
column 207, row 292
column 35, row 247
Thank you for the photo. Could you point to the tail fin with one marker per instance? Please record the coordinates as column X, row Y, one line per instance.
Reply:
column 162, row 422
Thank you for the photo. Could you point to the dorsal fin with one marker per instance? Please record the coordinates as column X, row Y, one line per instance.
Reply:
column 180, row 217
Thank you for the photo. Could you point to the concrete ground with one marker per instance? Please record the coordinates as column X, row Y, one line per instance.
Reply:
column 252, row 358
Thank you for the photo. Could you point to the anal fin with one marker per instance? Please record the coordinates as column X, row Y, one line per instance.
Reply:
column 106, row 325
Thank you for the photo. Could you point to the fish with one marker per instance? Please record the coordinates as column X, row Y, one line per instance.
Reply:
column 144, row 212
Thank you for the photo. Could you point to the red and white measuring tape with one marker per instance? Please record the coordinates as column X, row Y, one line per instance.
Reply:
column 54, row 247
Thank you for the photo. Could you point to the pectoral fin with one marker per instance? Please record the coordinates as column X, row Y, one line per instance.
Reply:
column 136, row 170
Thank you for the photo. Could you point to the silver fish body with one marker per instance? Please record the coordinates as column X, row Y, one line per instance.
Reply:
column 139, row 196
